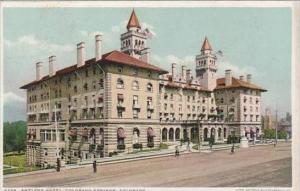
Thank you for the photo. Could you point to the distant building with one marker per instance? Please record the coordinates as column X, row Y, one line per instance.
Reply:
column 117, row 101
column 285, row 124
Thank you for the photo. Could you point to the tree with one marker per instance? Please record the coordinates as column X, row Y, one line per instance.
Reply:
column 14, row 136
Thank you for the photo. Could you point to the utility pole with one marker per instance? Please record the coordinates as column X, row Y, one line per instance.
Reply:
column 276, row 130
column 57, row 140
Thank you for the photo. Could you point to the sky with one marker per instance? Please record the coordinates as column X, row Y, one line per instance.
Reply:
column 253, row 40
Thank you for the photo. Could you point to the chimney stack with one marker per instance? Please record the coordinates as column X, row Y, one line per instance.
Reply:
column 249, row 78
column 173, row 70
column 183, row 72
column 52, row 61
column 145, row 55
column 80, row 54
column 228, row 78
column 242, row 78
column 38, row 70
column 188, row 75
column 98, row 47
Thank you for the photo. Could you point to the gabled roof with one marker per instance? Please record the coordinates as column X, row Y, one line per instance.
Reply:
column 133, row 21
column 236, row 83
column 115, row 57
column 206, row 45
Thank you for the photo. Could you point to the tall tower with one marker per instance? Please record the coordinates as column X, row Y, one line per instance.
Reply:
column 206, row 66
column 134, row 41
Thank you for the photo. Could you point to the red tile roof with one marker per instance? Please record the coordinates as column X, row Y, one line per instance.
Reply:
column 236, row 83
column 115, row 57
column 206, row 45
column 133, row 21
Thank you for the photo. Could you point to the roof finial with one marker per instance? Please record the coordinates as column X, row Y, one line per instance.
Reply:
column 133, row 21
column 206, row 45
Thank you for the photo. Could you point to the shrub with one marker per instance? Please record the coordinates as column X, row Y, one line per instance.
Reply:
column 150, row 145
column 163, row 146
column 233, row 139
column 92, row 147
column 137, row 146
column 100, row 148
column 112, row 153
column 121, row 147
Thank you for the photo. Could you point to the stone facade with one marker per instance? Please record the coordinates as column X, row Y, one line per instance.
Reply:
column 117, row 102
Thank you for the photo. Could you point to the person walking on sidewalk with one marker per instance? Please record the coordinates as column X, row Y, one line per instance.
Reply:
column 176, row 151
column 232, row 149
column 95, row 166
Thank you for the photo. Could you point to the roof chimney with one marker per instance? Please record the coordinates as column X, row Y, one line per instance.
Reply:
column 38, row 70
column 183, row 72
column 242, row 78
column 173, row 70
column 249, row 78
column 52, row 61
column 188, row 75
column 80, row 54
column 228, row 78
column 98, row 45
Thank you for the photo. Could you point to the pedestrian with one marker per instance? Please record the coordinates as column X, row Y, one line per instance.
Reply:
column 232, row 149
column 95, row 166
column 177, row 151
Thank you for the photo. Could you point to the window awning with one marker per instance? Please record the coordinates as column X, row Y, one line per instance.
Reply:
column 247, row 130
column 85, row 133
column 150, row 132
column 73, row 132
column 121, row 133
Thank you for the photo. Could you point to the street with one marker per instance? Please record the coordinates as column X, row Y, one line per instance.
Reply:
column 258, row 166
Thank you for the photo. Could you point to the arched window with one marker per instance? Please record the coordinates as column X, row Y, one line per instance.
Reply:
column 120, row 83
column 171, row 134
column 121, row 136
column 93, row 135
column 136, row 135
column 219, row 133
column 135, row 85
column 101, row 136
column 149, row 87
column 205, row 134
column 177, row 134
column 101, row 83
column 164, row 134
column 150, row 137
column 212, row 133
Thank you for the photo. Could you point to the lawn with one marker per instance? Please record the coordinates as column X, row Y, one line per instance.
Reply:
column 17, row 163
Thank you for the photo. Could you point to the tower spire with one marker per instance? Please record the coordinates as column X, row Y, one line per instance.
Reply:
column 133, row 21
column 206, row 45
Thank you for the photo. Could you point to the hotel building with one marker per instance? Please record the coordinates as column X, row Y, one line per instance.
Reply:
column 118, row 102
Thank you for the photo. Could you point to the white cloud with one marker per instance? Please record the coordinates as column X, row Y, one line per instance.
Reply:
column 35, row 43
column 12, row 98
column 119, row 27
column 149, row 27
column 236, row 70
column 169, row 59
column 86, row 34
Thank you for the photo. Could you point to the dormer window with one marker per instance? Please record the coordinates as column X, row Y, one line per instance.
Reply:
column 120, row 83
column 101, row 83
column 149, row 87
column 120, row 69
column 135, row 85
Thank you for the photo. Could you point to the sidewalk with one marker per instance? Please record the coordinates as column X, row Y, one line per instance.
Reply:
column 140, row 156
